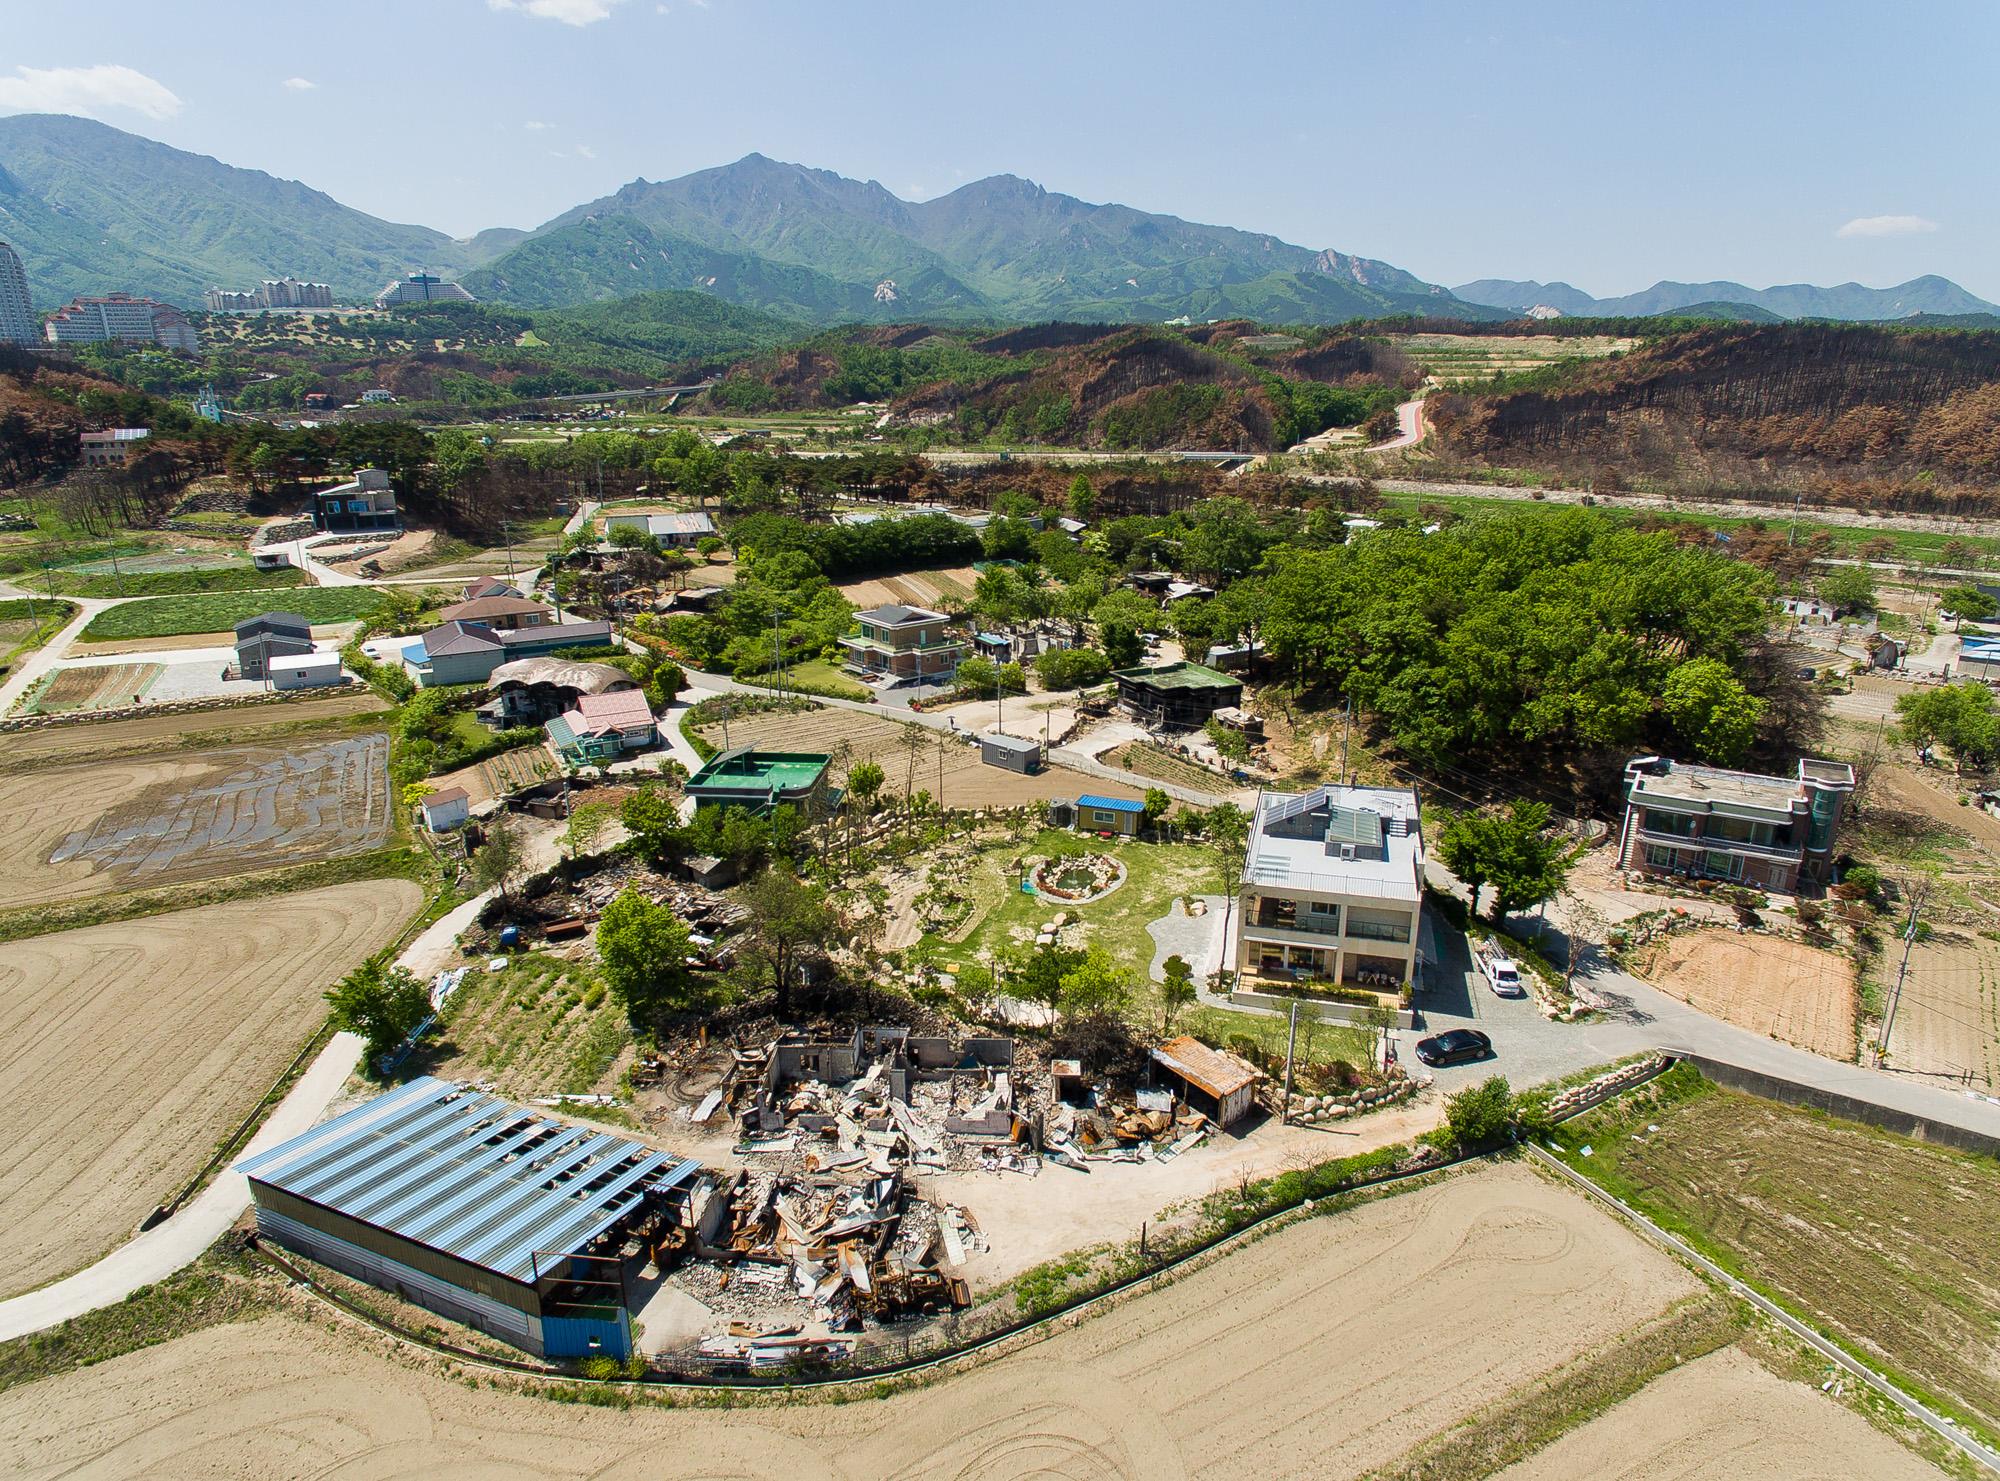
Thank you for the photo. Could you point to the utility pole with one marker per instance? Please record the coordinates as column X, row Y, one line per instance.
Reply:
column 507, row 528
column 1346, row 729
column 1792, row 538
column 1896, row 997
column 1291, row 1042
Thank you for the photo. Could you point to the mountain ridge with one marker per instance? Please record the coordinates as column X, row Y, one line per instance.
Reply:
column 1929, row 294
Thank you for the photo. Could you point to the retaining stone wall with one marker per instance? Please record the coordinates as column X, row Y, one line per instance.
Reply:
column 176, row 707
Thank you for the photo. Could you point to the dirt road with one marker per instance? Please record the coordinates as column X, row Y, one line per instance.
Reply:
column 130, row 1049
column 1304, row 1354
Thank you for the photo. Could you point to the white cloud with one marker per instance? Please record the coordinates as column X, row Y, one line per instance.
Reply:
column 534, row 125
column 586, row 151
column 1886, row 226
column 569, row 12
column 299, row 84
column 88, row 90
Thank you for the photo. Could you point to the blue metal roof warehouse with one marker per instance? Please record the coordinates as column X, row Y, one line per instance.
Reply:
column 470, row 1207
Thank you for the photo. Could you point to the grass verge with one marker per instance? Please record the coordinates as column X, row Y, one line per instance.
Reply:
column 217, row 1288
column 178, row 583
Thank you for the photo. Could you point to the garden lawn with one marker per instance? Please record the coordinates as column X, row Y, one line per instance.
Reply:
column 1155, row 875
column 178, row 583
column 164, row 617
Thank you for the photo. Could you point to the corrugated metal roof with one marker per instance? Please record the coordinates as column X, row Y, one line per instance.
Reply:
column 468, row 1175
column 1204, row 1067
column 1113, row 804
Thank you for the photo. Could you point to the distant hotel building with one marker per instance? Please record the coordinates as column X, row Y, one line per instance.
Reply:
column 121, row 316
column 17, row 310
column 276, row 293
column 420, row 288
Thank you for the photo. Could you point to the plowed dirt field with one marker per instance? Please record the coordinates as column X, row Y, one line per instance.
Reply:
column 1299, row 1355
column 1783, row 989
column 128, row 1051
column 129, row 824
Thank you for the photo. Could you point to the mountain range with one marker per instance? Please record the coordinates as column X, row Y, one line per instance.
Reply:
column 1926, row 295
column 93, row 209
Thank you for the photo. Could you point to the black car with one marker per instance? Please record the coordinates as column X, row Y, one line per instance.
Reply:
column 1458, row 1046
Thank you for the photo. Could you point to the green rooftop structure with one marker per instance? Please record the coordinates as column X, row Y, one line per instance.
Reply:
column 760, row 781
column 1176, row 696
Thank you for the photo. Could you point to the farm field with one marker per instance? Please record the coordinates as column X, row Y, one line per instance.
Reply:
column 914, row 588
column 1295, row 1356
column 967, row 782
column 93, row 828
column 97, row 688
column 130, row 1050
column 1948, row 1022
column 545, row 1026
column 160, row 617
column 1889, row 1245
column 1724, row 1417
column 145, row 734
column 1781, row 989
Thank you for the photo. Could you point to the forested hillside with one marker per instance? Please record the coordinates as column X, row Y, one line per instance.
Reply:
column 1909, row 417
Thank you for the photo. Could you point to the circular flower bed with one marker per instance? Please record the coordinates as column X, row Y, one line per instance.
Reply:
column 1078, row 877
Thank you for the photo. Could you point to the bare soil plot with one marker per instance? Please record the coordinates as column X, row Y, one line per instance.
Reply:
column 160, row 732
column 914, row 588
column 1297, row 1356
column 967, row 782
column 1724, row 1417
column 129, row 824
column 1783, row 989
column 1948, row 1022
column 100, row 688
column 1891, row 1245
column 127, row 1052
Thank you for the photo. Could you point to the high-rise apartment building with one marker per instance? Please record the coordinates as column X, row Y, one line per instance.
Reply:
column 17, row 311
column 121, row 316
column 275, row 293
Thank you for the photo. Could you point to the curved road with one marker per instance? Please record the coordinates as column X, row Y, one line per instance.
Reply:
column 1413, row 429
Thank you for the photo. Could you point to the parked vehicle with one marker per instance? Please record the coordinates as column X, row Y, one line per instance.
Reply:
column 1504, row 977
column 1456, row 1046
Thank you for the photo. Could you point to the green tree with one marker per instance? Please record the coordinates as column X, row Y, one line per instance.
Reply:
column 586, row 827
column 653, row 819
column 499, row 861
column 1177, row 993
column 1095, row 985
column 789, row 921
column 1849, row 587
column 1037, row 976
column 1069, row 668
column 382, row 1006
column 1122, row 646
column 1082, row 502
column 1479, row 1115
column 1959, row 717
column 645, row 948
column 1963, row 602
column 1157, row 804
column 865, row 782
column 1508, row 851
column 1711, row 711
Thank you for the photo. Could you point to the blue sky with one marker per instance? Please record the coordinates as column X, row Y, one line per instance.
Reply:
column 1606, row 144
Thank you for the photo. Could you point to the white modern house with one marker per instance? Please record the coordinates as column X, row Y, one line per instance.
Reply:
column 1333, row 888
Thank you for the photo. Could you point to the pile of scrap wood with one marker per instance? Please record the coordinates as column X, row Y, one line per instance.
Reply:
column 1118, row 1132
column 845, row 1248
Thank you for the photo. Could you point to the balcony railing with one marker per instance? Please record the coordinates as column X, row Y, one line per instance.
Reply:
column 1318, row 925
column 1361, row 930
column 1725, row 845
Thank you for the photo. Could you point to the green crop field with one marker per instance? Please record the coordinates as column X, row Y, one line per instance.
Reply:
column 164, row 617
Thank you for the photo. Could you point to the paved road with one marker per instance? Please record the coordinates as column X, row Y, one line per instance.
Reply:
column 46, row 657
column 1413, row 429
